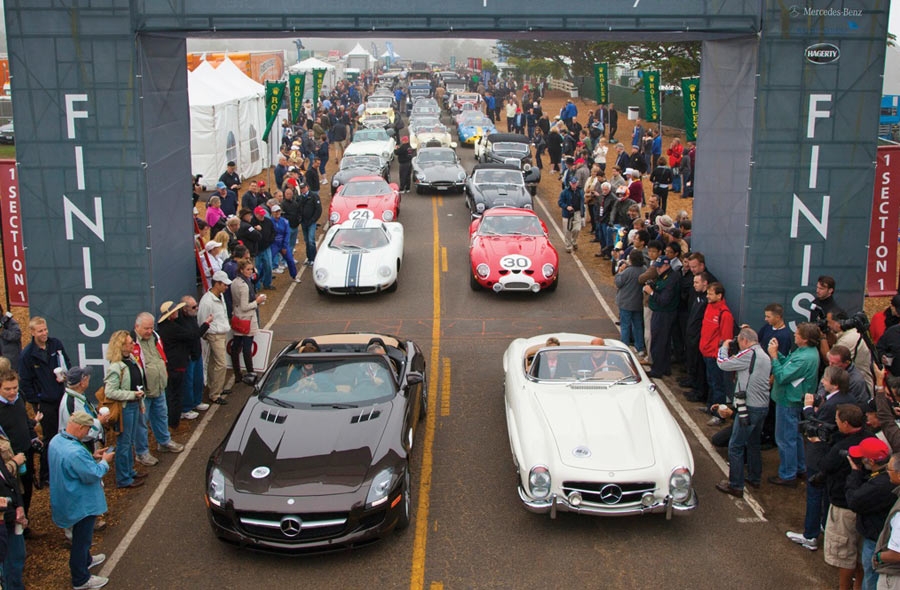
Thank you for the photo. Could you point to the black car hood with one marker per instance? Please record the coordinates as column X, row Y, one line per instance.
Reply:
column 503, row 154
column 308, row 452
column 500, row 196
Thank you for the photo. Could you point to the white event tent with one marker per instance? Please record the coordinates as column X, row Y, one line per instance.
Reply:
column 308, row 65
column 227, row 121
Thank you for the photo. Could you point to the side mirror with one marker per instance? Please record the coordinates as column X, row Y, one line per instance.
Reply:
column 414, row 378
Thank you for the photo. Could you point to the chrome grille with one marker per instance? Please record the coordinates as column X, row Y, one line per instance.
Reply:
column 313, row 526
column 599, row 493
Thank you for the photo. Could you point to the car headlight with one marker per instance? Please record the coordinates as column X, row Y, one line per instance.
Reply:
column 421, row 177
column 539, row 481
column 547, row 270
column 335, row 183
column 381, row 485
column 479, row 207
column 388, row 215
column 384, row 271
column 461, row 176
column 483, row 270
column 216, row 488
column 334, row 217
column 321, row 274
column 386, row 155
column 680, row 484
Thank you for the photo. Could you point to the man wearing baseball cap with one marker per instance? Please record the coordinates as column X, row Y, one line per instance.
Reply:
column 870, row 495
column 213, row 304
column 230, row 177
column 571, row 202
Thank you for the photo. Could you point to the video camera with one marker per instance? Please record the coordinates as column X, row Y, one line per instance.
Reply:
column 815, row 428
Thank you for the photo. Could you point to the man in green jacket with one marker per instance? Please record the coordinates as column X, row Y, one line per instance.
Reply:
column 794, row 375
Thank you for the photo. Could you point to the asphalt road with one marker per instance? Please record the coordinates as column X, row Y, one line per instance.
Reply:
column 475, row 534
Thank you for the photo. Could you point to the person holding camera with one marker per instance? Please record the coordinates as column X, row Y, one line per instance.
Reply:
column 841, row 540
column 849, row 334
column 869, row 492
column 819, row 411
column 751, row 404
column 793, row 375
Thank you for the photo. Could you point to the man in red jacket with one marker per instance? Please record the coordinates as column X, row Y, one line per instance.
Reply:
column 718, row 326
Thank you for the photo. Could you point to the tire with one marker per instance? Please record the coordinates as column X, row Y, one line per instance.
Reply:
column 423, row 405
column 406, row 505
column 396, row 283
column 473, row 282
column 553, row 285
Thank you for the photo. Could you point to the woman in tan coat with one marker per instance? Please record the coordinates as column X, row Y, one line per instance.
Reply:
column 124, row 382
column 244, row 323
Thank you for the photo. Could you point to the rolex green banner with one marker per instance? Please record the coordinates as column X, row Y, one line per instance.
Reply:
column 690, row 92
column 274, row 97
column 601, row 79
column 651, row 96
column 318, row 79
column 297, row 86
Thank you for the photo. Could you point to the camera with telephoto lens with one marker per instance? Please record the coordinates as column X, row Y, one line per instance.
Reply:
column 740, row 406
column 859, row 320
column 844, row 453
column 815, row 428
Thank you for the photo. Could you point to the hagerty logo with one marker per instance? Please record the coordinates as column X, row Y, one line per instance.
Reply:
column 796, row 11
column 822, row 53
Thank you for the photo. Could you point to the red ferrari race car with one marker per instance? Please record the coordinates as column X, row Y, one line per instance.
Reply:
column 509, row 250
column 365, row 197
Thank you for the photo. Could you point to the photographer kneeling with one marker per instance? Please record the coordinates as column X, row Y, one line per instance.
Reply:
column 817, row 427
column 751, row 404
column 841, row 539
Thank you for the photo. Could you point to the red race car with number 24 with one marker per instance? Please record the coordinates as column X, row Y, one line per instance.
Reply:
column 365, row 197
column 509, row 250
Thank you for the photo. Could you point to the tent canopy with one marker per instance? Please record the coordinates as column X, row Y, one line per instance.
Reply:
column 310, row 64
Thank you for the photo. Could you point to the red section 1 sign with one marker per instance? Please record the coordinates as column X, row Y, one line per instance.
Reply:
column 881, row 275
column 13, row 251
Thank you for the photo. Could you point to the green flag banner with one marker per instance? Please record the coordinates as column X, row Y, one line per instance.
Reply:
column 690, row 92
column 651, row 96
column 318, row 79
column 297, row 86
column 274, row 97
column 601, row 78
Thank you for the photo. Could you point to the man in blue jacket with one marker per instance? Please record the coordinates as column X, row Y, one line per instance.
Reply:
column 42, row 371
column 76, row 495
column 571, row 202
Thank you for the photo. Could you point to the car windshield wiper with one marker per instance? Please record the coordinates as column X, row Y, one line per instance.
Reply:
column 350, row 247
column 278, row 402
column 335, row 406
column 622, row 380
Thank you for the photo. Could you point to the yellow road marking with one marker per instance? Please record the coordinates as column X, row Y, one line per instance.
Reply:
column 437, row 586
column 417, row 575
column 445, row 388
column 444, row 259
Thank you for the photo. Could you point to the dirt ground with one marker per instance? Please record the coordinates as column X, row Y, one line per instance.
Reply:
column 47, row 562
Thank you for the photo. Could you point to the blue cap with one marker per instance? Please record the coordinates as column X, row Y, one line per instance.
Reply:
column 660, row 261
column 220, row 184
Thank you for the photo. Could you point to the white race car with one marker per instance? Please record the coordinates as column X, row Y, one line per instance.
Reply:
column 359, row 256
column 376, row 142
column 590, row 433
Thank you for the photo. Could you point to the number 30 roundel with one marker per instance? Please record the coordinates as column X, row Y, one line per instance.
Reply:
column 515, row 262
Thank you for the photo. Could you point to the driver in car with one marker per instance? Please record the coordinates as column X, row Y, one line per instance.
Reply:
column 310, row 377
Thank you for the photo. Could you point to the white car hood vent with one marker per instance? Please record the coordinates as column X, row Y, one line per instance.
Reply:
column 612, row 424
column 365, row 416
column 274, row 416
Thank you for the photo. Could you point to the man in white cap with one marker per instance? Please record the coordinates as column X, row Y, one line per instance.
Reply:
column 212, row 304
column 76, row 495
column 282, row 244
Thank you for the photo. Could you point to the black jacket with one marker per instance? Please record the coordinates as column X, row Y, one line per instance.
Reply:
column 871, row 498
column 37, row 382
column 230, row 179
column 815, row 451
column 181, row 339
column 249, row 237
column 267, row 233
column 19, row 428
column 310, row 208
column 291, row 211
column 889, row 344
column 835, row 468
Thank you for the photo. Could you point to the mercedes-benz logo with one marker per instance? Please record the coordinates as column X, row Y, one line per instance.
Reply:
column 610, row 494
column 794, row 11
column 291, row 525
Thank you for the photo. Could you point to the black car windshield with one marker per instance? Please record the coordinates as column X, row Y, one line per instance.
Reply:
column 366, row 188
column 359, row 238
column 329, row 383
column 583, row 364
column 371, row 135
column 519, row 225
column 372, row 162
column 508, row 146
column 437, row 156
column 498, row 177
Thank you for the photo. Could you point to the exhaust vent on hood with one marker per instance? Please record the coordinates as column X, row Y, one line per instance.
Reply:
column 363, row 417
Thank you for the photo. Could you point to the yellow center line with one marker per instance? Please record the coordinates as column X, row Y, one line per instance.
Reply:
column 417, row 575
column 443, row 259
column 445, row 388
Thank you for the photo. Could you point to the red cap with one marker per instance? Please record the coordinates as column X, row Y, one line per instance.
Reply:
column 873, row 449
column 261, row 183
column 259, row 211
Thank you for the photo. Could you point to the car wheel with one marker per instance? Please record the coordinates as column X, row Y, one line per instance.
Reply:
column 396, row 282
column 553, row 285
column 473, row 282
column 418, row 189
column 321, row 292
column 406, row 504
column 423, row 405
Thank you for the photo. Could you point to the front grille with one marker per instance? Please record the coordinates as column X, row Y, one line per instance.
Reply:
column 512, row 285
column 594, row 492
column 354, row 290
column 314, row 526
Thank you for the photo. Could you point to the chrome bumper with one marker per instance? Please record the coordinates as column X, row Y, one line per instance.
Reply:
column 556, row 503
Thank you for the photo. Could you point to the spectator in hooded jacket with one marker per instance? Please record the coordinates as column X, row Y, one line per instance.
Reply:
column 718, row 326
column 282, row 244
